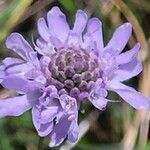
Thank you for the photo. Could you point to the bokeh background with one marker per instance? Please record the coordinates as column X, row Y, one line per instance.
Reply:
column 119, row 127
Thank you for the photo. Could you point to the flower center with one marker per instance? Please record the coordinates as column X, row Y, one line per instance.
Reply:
column 74, row 72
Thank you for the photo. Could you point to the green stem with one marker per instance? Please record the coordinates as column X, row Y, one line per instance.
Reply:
column 41, row 144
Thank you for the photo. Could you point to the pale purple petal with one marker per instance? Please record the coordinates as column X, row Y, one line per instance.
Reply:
column 73, row 131
column 40, row 79
column 127, row 71
column 44, row 48
column 14, row 106
column 33, row 59
column 12, row 61
column 120, row 37
column 43, row 29
column 19, row 84
column 59, row 132
column 57, row 24
column 45, row 129
column 79, row 26
column 80, row 22
column 48, row 114
column 108, row 62
column 2, row 73
column 100, row 103
column 14, row 66
column 41, row 46
column 18, row 44
column 33, row 73
column 33, row 92
column 44, row 62
column 94, row 30
column 69, row 104
column 15, row 83
column 128, row 56
column 42, row 129
column 35, row 117
column 18, row 69
column 129, row 95
column 97, row 98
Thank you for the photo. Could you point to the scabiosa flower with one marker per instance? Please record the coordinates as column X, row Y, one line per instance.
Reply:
column 71, row 68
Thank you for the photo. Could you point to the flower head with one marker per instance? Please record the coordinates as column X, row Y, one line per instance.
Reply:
column 71, row 68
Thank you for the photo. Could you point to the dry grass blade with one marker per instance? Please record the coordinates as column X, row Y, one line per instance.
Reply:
column 136, row 26
column 144, row 88
column 14, row 17
column 36, row 7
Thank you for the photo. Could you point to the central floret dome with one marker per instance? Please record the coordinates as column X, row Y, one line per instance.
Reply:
column 74, row 72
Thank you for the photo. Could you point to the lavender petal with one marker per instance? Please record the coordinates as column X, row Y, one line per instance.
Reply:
column 14, row 106
column 120, row 37
column 57, row 24
column 129, row 95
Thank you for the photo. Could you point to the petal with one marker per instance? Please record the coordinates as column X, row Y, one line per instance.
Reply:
column 32, row 57
column 45, row 129
column 33, row 92
column 120, row 37
column 128, row 56
column 97, row 98
column 31, row 88
column 80, row 22
column 44, row 48
column 57, row 24
column 15, row 83
column 14, row 106
column 68, row 103
column 48, row 114
column 18, row 69
column 43, row 29
column 73, row 131
column 127, row 71
column 15, row 66
column 11, row 61
column 94, row 29
column 99, row 103
column 35, row 117
column 59, row 132
column 79, row 26
column 36, row 75
column 130, row 95
column 18, row 44
column 2, row 73
column 44, row 61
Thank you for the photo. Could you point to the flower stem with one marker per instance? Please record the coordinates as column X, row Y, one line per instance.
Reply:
column 41, row 143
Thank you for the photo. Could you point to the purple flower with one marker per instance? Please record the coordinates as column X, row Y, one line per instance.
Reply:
column 71, row 67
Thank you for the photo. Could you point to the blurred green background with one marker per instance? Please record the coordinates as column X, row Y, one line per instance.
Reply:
column 119, row 127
